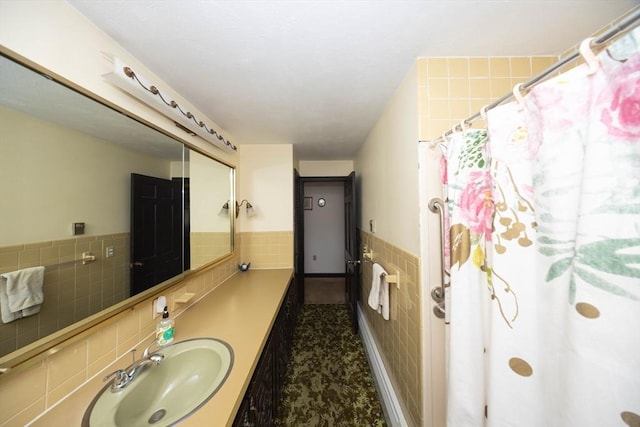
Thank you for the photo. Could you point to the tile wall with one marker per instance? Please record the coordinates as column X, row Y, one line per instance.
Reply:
column 35, row 388
column 72, row 291
column 267, row 249
column 399, row 338
column 206, row 246
column 453, row 89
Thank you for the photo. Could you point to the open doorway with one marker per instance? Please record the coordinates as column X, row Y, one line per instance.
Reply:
column 325, row 248
column 323, row 211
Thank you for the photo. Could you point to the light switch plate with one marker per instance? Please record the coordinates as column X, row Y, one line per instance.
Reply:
column 78, row 228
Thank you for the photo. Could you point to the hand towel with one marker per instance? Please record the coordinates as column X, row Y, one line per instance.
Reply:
column 6, row 314
column 21, row 293
column 379, row 294
column 384, row 296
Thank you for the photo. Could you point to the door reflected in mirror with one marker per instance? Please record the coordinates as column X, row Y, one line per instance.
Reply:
column 68, row 159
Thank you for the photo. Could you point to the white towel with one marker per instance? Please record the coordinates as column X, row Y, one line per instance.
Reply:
column 21, row 293
column 379, row 295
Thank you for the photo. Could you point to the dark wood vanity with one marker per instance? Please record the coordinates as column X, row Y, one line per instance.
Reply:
column 260, row 403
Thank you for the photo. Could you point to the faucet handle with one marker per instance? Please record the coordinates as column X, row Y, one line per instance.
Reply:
column 119, row 374
column 119, row 381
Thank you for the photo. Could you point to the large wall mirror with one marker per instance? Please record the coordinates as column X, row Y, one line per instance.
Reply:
column 107, row 205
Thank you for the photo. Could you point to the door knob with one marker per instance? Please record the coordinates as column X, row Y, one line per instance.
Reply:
column 137, row 264
column 353, row 262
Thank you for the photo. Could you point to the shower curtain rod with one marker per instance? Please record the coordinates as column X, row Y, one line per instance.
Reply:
column 598, row 44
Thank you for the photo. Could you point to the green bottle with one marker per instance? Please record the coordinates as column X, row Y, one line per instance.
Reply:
column 165, row 330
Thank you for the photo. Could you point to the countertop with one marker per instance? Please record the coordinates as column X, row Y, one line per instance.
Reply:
column 241, row 311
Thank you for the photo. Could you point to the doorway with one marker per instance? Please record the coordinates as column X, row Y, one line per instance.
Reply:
column 325, row 244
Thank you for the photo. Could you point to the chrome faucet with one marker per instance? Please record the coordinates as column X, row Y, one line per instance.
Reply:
column 123, row 377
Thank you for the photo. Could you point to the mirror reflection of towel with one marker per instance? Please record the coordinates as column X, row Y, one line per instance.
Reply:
column 21, row 293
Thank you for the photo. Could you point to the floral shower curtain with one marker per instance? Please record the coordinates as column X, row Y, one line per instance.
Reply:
column 544, row 212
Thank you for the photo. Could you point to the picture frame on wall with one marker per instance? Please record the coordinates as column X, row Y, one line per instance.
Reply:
column 308, row 203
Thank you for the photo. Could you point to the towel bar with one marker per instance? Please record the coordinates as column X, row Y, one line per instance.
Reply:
column 393, row 278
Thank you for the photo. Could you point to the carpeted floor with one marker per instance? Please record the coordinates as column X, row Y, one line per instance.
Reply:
column 329, row 382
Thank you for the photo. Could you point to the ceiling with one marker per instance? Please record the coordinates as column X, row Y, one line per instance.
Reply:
column 318, row 73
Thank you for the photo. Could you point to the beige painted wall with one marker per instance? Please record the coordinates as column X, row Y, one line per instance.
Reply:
column 266, row 180
column 85, row 168
column 325, row 168
column 206, row 199
column 387, row 170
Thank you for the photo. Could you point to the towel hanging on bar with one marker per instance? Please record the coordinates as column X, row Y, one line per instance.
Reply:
column 379, row 295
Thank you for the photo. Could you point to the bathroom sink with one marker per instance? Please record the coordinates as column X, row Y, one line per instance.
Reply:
column 191, row 372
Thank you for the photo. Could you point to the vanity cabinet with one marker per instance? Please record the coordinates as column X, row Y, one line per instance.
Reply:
column 260, row 403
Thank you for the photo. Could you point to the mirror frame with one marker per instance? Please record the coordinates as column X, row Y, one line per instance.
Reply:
column 33, row 353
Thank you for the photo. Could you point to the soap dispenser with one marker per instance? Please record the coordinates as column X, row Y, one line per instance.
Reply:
column 165, row 330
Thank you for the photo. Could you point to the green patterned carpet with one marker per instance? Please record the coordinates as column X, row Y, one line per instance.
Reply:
column 329, row 382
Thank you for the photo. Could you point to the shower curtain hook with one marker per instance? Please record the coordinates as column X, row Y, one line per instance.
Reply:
column 588, row 55
column 483, row 112
column 517, row 94
column 463, row 125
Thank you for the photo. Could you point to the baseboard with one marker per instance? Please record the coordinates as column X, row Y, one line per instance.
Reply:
column 390, row 402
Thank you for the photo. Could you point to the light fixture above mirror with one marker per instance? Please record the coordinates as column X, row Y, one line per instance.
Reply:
column 128, row 80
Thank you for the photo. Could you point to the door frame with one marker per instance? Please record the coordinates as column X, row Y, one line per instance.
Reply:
column 299, row 182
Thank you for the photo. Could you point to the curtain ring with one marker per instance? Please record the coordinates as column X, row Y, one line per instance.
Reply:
column 517, row 94
column 588, row 55
column 463, row 125
column 483, row 112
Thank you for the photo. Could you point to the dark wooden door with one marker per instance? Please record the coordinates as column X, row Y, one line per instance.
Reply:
column 156, row 251
column 351, row 252
column 298, row 233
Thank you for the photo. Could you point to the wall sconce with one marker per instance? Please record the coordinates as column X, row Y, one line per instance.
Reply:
column 225, row 209
column 250, row 211
column 134, row 84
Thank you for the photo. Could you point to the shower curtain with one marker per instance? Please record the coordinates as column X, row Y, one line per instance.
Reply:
column 544, row 214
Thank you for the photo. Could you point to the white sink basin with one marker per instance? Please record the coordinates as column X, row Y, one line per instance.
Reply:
column 190, row 374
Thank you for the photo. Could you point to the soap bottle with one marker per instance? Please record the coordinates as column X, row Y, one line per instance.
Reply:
column 165, row 330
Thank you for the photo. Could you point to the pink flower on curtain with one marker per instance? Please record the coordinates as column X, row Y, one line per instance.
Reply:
column 622, row 115
column 443, row 170
column 551, row 98
column 476, row 204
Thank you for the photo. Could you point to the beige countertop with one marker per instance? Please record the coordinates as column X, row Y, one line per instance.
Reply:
column 241, row 312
